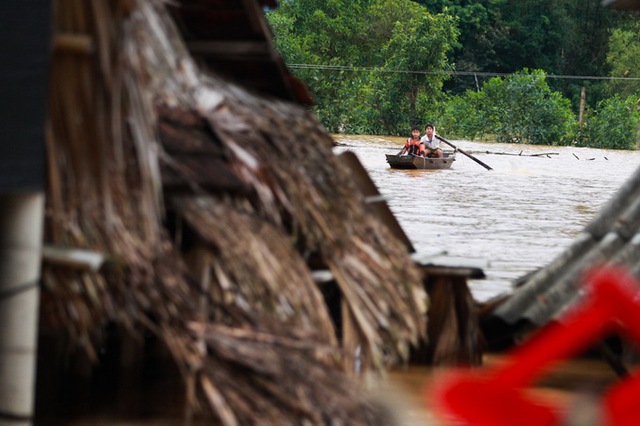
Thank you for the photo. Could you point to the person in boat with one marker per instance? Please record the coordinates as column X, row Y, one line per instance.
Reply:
column 414, row 145
column 431, row 142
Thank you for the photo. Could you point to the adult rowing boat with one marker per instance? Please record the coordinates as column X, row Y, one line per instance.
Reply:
column 416, row 162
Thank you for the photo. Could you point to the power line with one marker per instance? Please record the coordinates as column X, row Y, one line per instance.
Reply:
column 443, row 72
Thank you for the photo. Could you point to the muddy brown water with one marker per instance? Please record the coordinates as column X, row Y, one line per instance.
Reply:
column 512, row 219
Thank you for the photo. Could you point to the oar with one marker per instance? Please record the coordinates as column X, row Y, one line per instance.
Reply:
column 465, row 153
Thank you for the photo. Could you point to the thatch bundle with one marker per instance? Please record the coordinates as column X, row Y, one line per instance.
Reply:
column 212, row 205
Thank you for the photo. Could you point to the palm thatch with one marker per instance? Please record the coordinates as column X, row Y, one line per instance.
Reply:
column 212, row 204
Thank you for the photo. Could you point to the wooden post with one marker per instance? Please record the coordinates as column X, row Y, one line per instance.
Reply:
column 454, row 336
column 583, row 97
column 21, row 217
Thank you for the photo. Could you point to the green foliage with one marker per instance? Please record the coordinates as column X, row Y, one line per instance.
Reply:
column 519, row 108
column 481, row 30
column 559, row 36
column 613, row 125
column 624, row 59
column 413, row 46
column 536, row 31
column 380, row 66
column 384, row 39
column 464, row 116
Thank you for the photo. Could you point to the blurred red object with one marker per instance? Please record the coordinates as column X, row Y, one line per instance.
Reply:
column 498, row 396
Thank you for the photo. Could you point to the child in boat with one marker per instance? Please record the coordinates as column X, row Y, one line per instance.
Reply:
column 414, row 145
column 431, row 143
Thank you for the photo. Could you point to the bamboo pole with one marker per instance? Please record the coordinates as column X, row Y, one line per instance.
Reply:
column 21, row 218
column 73, row 43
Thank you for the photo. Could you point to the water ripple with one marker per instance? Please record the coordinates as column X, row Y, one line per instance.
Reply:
column 516, row 218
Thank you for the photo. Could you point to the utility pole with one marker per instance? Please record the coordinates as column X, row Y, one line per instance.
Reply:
column 583, row 97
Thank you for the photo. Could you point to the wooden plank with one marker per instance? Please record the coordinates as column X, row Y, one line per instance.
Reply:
column 73, row 43
column 454, row 271
column 622, row 4
column 209, row 4
column 454, row 336
column 238, row 50
column 256, row 17
column 439, row 263
column 207, row 24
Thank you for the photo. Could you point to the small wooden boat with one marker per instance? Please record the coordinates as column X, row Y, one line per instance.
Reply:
column 416, row 162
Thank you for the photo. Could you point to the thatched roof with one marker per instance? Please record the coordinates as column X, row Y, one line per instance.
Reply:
column 233, row 39
column 213, row 205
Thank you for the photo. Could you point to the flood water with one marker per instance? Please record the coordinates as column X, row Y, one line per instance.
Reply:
column 513, row 219
column 510, row 220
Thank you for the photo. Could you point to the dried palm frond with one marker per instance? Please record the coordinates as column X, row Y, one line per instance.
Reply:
column 300, row 184
column 134, row 127
column 254, row 264
column 283, row 381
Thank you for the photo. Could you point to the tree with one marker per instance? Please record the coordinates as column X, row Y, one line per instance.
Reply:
column 366, row 61
column 613, row 124
column 519, row 108
column 557, row 36
column 624, row 59
column 419, row 46
column 583, row 50
column 481, row 31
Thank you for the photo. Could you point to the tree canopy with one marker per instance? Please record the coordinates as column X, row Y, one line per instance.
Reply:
column 367, row 62
column 380, row 66
column 624, row 59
